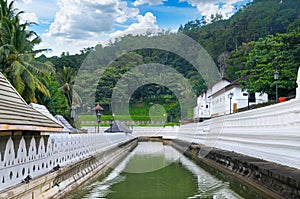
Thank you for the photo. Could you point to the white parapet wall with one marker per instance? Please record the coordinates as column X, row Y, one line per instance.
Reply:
column 38, row 155
column 168, row 132
column 271, row 133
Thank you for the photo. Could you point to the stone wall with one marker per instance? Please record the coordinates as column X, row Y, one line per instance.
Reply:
column 277, row 181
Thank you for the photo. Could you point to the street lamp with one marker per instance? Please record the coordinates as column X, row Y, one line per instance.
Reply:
column 276, row 77
column 230, row 95
column 98, row 109
column 111, row 123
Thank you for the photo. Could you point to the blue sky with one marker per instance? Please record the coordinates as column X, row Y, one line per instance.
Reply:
column 71, row 25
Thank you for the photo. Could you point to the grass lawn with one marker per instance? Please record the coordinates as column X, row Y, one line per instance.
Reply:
column 142, row 125
column 120, row 117
column 139, row 112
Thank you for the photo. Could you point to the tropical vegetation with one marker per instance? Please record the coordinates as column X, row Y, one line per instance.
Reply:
column 17, row 54
column 261, row 38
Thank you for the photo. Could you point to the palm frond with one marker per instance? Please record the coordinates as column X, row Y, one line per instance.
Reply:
column 15, row 76
column 42, row 88
column 76, row 99
column 35, row 52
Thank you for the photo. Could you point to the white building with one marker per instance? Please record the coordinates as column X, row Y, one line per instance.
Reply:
column 223, row 98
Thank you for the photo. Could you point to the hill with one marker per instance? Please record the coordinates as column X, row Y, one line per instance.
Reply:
column 227, row 41
column 255, row 20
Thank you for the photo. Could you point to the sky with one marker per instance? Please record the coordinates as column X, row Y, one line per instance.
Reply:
column 72, row 25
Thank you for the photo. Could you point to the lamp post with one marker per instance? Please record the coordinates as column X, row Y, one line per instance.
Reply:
column 111, row 123
column 276, row 77
column 98, row 109
column 230, row 95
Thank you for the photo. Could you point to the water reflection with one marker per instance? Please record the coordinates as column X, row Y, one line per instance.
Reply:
column 156, row 171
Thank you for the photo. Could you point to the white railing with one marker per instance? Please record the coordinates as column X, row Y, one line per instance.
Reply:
column 35, row 156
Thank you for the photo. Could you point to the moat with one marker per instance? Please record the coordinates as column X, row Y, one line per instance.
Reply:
column 154, row 170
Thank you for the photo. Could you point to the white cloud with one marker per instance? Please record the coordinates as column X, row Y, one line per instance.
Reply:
column 144, row 25
column 80, row 24
column 43, row 9
column 59, row 44
column 209, row 7
column 124, row 12
column 73, row 46
column 27, row 1
column 79, row 19
column 150, row 2
column 29, row 17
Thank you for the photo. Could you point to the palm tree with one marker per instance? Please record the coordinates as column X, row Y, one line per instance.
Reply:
column 8, row 10
column 17, row 54
column 66, row 78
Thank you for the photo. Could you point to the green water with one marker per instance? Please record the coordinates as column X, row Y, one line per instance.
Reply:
column 154, row 171
column 158, row 184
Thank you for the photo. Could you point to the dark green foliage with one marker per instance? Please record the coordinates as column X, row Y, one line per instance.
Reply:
column 236, row 60
column 67, row 60
column 112, row 74
column 255, row 20
column 280, row 52
column 57, row 104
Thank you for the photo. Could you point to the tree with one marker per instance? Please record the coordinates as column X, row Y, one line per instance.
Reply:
column 281, row 53
column 57, row 103
column 236, row 60
column 255, row 20
column 17, row 54
column 66, row 78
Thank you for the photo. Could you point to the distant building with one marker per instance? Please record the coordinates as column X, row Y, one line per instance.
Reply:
column 68, row 128
column 18, row 118
column 118, row 127
column 215, row 101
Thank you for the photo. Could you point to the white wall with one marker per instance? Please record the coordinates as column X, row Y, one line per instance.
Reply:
column 202, row 110
column 36, row 156
column 219, row 104
column 271, row 133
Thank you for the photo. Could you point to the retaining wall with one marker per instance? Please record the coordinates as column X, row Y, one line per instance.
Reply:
column 277, row 181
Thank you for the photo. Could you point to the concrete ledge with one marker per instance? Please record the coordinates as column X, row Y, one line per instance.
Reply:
column 150, row 138
column 57, row 184
column 275, row 180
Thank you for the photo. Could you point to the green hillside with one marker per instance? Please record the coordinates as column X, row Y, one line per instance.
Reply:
column 257, row 40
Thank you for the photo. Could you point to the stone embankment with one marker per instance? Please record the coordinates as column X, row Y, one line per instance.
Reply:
column 276, row 181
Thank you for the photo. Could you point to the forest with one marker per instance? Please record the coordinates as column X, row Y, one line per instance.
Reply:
column 259, row 39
